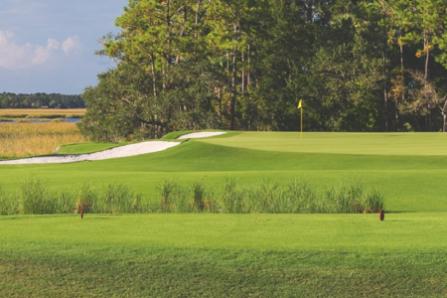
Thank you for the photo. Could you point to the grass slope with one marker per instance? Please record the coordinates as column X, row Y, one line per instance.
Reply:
column 409, row 182
column 84, row 148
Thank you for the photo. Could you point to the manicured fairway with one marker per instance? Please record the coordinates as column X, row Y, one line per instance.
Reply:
column 241, row 255
column 225, row 255
column 413, row 182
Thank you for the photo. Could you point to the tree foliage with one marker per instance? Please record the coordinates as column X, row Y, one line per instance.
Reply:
column 193, row 64
column 40, row 100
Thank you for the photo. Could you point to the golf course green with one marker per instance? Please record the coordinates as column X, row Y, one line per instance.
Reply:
column 241, row 255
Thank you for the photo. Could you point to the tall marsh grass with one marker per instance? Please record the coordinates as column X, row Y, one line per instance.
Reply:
column 30, row 139
column 42, row 113
column 267, row 197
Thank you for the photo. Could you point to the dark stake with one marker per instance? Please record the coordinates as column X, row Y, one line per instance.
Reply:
column 382, row 215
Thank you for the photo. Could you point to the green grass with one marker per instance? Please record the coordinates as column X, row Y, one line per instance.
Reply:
column 406, row 144
column 409, row 182
column 225, row 255
column 175, row 135
column 242, row 255
column 87, row 148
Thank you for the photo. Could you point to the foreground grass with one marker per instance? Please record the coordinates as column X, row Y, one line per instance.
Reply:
column 30, row 139
column 224, row 255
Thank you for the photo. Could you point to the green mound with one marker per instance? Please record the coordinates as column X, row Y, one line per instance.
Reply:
column 87, row 148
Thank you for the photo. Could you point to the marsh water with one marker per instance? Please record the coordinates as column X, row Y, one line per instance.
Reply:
column 40, row 120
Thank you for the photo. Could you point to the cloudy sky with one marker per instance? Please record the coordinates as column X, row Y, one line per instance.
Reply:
column 49, row 45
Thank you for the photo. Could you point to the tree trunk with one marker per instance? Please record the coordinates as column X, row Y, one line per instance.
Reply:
column 233, row 92
column 385, row 108
column 427, row 59
column 248, row 68
column 402, row 70
column 196, row 21
column 243, row 73
column 444, row 115
column 154, row 80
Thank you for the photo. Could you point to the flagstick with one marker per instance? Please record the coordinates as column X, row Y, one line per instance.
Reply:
column 301, row 126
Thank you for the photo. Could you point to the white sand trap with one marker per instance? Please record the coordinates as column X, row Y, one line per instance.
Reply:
column 122, row 151
column 202, row 134
column 118, row 152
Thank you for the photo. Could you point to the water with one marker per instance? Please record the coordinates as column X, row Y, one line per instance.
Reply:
column 40, row 120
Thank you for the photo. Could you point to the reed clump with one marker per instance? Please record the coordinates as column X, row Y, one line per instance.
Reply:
column 294, row 196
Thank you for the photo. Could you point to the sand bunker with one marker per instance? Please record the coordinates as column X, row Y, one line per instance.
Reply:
column 118, row 152
column 122, row 151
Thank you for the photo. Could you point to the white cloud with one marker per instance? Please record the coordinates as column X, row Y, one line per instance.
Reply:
column 18, row 56
column 70, row 45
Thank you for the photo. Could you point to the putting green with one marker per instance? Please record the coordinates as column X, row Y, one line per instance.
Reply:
column 426, row 144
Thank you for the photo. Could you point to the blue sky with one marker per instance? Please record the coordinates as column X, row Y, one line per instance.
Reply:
column 49, row 45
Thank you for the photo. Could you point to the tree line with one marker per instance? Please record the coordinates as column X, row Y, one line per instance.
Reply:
column 40, row 100
column 365, row 65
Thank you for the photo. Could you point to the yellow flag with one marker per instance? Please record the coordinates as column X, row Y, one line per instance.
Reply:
column 300, row 104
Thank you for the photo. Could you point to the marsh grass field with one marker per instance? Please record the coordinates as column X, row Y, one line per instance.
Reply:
column 195, row 253
column 41, row 113
column 31, row 139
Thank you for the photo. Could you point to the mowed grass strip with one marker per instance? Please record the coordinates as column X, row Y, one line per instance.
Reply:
column 424, row 144
column 31, row 139
column 41, row 113
column 224, row 255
